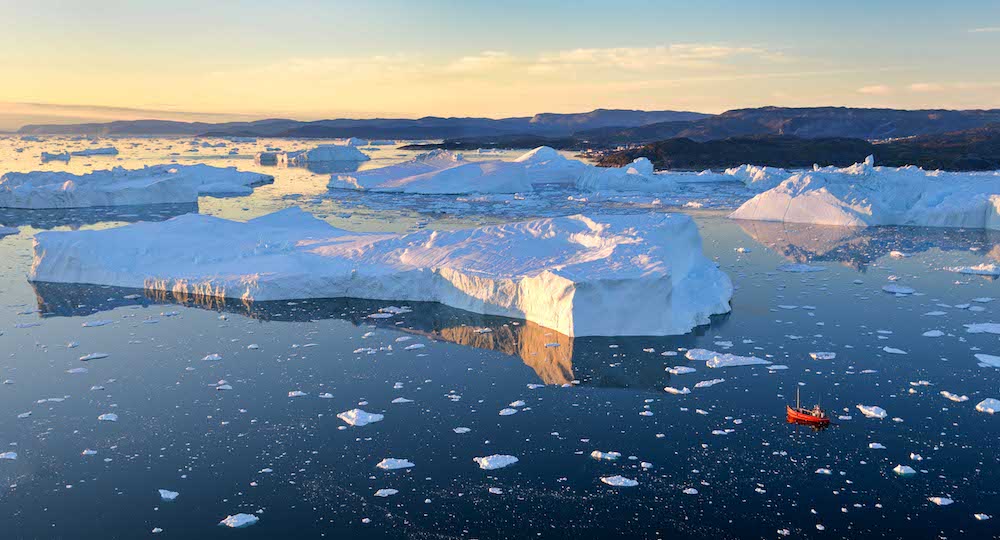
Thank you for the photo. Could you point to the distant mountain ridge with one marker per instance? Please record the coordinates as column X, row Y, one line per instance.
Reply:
column 544, row 124
column 806, row 122
column 975, row 149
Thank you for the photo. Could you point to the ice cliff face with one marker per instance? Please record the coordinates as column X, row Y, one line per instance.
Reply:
column 603, row 275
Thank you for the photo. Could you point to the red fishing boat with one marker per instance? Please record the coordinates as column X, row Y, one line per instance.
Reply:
column 815, row 416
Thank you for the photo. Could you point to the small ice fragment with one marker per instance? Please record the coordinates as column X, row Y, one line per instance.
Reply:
column 608, row 456
column 872, row 411
column 904, row 470
column 93, row 356
column 239, row 521
column 496, row 461
column 215, row 356
column 108, row 417
column 358, row 417
column 988, row 405
column 940, row 501
column 892, row 350
column 168, row 495
column 296, row 393
column 391, row 464
column 619, row 481
column 823, row 355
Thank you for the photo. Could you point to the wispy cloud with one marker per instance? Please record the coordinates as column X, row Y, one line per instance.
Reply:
column 875, row 90
column 689, row 55
column 984, row 30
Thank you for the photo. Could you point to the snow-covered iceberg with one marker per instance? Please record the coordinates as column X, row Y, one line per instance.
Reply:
column 444, row 172
column 439, row 172
column 864, row 195
column 322, row 154
column 157, row 184
column 605, row 275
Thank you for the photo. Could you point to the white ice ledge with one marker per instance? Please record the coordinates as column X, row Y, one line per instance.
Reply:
column 157, row 184
column 602, row 275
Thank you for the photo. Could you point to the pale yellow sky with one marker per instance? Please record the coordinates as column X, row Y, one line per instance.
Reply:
column 249, row 60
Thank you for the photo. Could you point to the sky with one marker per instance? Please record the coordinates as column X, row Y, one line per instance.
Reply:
column 213, row 60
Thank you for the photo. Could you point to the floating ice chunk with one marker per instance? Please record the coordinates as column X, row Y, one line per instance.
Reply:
column 708, row 383
column 981, row 517
column 940, row 501
column 619, row 481
column 983, row 328
column 608, row 456
column 577, row 260
column 461, row 430
column 358, row 417
column 105, row 151
column 933, row 333
column 440, row 172
column 296, row 393
column 402, row 400
column 824, row 471
column 722, row 360
column 88, row 452
column 823, row 355
column 323, row 153
column 326, row 395
column 93, row 356
column 108, row 417
column 892, row 288
column 238, row 521
column 904, row 470
column 872, row 411
column 988, row 405
column 876, row 446
column 95, row 324
column 8, row 455
column 988, row 360
column 985, row 269
column 954, row 397
column 898, row 254
column 677, row 391
column 690, row 491
column 892, row 350
column 507, row 411
column 391, row 464
column 680, row 370
column 157, row 184
column 212, row 357
column 385, row 492
column 495, row 461
column 168, row 495
column 800, row 268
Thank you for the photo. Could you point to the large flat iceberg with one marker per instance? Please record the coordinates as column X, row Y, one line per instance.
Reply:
column 156, row 184
column 604, row 275
column 444, row 172
column 864, row 195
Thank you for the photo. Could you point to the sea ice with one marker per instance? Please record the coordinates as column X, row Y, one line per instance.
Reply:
column 722, row 360
column 391, row 464
column 989, row 405
column 168, row 495
column 872, row 411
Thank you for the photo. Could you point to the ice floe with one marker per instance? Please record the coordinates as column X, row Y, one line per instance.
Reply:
column 238, row 521
column 358, row 417
column 391, row 464
column 619, row 481
column 495, row 461
column 578, row 275
column 989, row 405
column 723, row 360
column 872, row 411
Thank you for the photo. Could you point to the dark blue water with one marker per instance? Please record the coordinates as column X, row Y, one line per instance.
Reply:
column 176, row 431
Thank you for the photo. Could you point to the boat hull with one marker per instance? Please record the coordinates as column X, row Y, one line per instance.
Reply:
column 797, row 417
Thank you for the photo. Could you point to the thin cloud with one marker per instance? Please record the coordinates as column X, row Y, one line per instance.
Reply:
column 875, row 90
column 985, row 30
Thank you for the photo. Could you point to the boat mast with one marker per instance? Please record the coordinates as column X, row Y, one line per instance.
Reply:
column 797, row 406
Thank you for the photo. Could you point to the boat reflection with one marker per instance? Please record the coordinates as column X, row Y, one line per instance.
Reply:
column 859, row 247
column 557, row 359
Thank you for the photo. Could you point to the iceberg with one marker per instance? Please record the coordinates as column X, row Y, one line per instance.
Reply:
column 322, row 154
column 443, row 172
column 106, row 151
column 48, row 156
column 156, row 184
column 865, row 195
column 578, row 275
